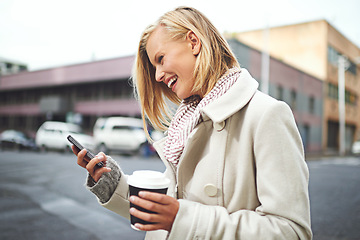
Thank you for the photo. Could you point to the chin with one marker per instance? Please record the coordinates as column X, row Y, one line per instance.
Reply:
column 182, row 97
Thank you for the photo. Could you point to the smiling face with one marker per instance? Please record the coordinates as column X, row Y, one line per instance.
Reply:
column 174, row 60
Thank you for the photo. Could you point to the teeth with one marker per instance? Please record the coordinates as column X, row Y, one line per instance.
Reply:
column 171, row 81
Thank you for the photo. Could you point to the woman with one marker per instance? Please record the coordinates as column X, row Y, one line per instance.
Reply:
column 233, row 154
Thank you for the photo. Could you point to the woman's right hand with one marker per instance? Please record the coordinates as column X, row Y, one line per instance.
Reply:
column 90, row 165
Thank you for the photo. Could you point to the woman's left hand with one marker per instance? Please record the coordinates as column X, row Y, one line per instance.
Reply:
column 164, row 206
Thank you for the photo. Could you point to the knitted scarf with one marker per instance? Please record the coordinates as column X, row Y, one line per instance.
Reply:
column 188, row 116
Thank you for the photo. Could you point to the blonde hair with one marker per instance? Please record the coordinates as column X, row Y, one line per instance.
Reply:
column 214, row 59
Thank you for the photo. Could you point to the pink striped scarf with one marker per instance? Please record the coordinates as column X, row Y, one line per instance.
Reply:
column 188, row 116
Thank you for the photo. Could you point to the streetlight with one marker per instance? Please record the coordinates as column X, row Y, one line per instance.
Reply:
column 342, row 66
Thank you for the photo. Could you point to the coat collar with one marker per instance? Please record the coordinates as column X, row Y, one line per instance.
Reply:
column 233, row 100
column 226, row 105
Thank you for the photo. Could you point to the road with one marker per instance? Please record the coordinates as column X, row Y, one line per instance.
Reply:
column 42, row 197
column 335, row 198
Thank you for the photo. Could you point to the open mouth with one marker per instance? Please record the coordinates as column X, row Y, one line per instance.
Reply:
column 172, row 82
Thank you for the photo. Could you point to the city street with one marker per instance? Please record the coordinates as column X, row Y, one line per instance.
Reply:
column 335, row 198
column 42, row 197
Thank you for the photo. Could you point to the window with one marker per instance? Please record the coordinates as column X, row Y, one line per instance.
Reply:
column 352, row 68
column 333, row 57
column 333, row 91
column 112, row 90
column 311, row 105
column 293, row 100
column 121, row 127
column 350, row 97
column 2, row 98
column 279, row 93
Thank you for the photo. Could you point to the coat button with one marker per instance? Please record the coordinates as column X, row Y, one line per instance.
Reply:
column 210, row 190
column 219, row 125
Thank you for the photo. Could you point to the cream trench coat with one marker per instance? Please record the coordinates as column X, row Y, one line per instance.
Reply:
column 242, row 174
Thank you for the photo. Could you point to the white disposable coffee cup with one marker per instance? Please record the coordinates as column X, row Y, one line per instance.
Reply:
column 146, row 180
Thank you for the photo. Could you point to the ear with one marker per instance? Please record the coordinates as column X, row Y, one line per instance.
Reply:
column 194, row 41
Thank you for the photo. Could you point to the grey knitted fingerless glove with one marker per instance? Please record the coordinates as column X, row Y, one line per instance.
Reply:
column 105, row 187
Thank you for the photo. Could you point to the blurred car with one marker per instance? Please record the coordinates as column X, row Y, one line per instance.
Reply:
column 124, row 135
column 17, row 140
column 121, row 134
column 52, row 135
column 355, row 149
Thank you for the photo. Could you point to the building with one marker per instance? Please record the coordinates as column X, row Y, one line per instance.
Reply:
column 301, row 91
column 8, row 66
column 314, row 47
column 84, row 92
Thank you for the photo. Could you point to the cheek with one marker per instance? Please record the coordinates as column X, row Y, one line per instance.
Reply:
column 188, row 65
column 185, row 61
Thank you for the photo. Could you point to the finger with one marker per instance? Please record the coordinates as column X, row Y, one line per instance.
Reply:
column 149, row 227
column 99, row 172
column 98, row 158
column 101, row 153
column 158, row 207
column 165, row 209
column 156, row 221
column 144, row 203
column 146, row 216
column 81, row 158
column 75, row 150
column 94, row 170
column 156, row 197
column 102, row 157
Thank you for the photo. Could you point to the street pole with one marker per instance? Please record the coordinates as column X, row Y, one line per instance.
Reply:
column 265, row 62
column 341, row 102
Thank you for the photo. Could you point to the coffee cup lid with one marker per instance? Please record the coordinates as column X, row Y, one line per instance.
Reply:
column 148, row 179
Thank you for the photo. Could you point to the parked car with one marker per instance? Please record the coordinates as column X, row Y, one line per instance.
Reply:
column 355, row 149
column 120, row 134
column 17, row 140
column 53, row 135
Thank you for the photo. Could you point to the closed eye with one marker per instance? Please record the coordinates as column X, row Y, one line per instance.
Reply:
column 160, row 59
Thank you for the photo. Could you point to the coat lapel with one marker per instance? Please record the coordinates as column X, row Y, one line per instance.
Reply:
column 234, row 99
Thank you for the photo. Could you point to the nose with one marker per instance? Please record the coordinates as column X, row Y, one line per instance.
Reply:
column 159, row 75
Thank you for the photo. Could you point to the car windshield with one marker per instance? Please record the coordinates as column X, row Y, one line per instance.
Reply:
column 122, row 127
column 11, row 133
column 76, row 132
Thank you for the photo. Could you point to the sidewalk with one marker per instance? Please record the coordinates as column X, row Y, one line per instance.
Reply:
column 328, row 156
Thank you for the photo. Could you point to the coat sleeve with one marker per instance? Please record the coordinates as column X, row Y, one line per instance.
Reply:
column 112, row 189
column 105, row 187
column 282, row 188
column 119, row 202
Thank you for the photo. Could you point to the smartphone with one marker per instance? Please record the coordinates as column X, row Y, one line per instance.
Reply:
column 89, row 154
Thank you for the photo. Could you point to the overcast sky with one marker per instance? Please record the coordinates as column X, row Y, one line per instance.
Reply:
column 50, row 33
